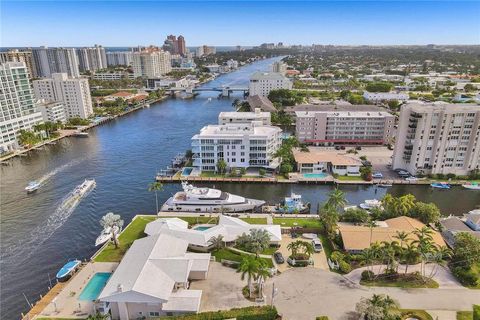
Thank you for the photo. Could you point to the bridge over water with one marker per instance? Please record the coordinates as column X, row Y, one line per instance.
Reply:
column 226, row 91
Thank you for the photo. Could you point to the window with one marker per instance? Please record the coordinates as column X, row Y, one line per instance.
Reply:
column 154, row 314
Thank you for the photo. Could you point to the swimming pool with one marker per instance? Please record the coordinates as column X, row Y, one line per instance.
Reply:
column 202, row 228
column 186, row 171
column 315, row 175
column 94, row 286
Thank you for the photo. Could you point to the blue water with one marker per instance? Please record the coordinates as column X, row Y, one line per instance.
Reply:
column 186, row 171
column 202, row 228
column 94, row 286
column 315, row 175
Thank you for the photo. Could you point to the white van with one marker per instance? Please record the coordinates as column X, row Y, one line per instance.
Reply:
column 317, row 245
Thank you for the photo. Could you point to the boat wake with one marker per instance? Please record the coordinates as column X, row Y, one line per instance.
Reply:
column 52, row 173
column 22, row 251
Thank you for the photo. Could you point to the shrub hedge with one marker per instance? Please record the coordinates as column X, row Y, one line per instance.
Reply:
column 367, row 275
column 466, row 277
column 321, row 318
column 248, row 313
column 476, row 312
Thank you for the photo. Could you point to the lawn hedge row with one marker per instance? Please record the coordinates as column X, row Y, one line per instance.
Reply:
column 248, row 313
column 476, row 312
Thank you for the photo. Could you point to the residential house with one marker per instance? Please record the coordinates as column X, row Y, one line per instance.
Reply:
column 326, row 162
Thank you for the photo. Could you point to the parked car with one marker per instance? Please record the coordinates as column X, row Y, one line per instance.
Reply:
column 411, row 178
column 278, row 257
column 358, row 148
column 377, row 175
column 342, row 147
column 337, row 147
column 317, row 245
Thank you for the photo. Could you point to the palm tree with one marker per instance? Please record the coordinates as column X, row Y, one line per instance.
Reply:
column 371, row 224
column 378, row 307
column 221, row 166
column 308, row 248
column 424, row 245
column 249, row 267
column 405, row 204
column 336, row 199
column 402, row 236
column 410, row 255
column 293, row 247
column 155, row 186
column 259, row 240
column 439, row 256
column 262, row 274
column 329, row 218
column 112, row 221
column 217, row 242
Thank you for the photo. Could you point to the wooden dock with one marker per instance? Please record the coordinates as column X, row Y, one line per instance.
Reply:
column 44, row 301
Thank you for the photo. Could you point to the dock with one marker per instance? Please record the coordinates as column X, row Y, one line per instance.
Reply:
column 44, row 301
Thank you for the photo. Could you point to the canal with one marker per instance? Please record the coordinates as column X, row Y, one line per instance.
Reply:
column 38, row 237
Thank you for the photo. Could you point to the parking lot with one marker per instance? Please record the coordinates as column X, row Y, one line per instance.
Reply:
column 319, row 258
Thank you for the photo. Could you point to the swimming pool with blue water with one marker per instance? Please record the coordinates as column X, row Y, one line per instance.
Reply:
column 94, row 286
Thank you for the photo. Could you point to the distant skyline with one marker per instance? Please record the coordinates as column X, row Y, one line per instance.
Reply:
column 230, row 23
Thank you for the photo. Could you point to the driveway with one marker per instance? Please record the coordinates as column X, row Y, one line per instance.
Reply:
column 222, row 289
column 440, row 274
column 319, row 259
column 304, row 293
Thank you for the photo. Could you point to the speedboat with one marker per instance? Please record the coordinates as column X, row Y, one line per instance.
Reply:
column 471, row 186
column 384, row 185
column 32, row 186
column 293, row 204
column 440, row 185
column 370, row 204
column 106, row 235
column 85, row 187
column 67, row 270
column 80, row 134
column 195, row 199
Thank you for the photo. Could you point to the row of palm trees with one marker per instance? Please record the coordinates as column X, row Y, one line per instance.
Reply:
column 408, row 250
column 255, row 270
column 301, row 249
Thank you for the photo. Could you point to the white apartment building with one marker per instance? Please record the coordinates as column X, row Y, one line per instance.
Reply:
column 261, row 83
column 151, row 63
column 279, row 67
column 365, row 125
column 119, row 58
column 385, row 96
column 25, row 56
column 55, row 60
column 438, row 138
column 92, row 59
column 52, row 111
column 245, row 117
column 108, row 76
column 240, row 145
column 73, row 92
column 17, row 108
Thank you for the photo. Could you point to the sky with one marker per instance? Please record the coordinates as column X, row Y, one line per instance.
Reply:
column 131, row 23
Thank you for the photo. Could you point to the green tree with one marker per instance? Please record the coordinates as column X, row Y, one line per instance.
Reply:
column 248, row 268
column 355, row 215
column 217, row 242
column 259, row 240
column 402, row 236
column 409, row 255
column 379, row 87
column 378, row 307
column 425, row 246
column 329, row 218
column 366, row 173
column 285, row 97
column 426, row 212
column 155, row 187
column 469, row 87
column 336, row 199
column 221, row 166
column 467, row 250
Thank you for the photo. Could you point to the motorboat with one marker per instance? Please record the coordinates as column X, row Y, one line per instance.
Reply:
column 440, row 185
column 80, row 134
column 346, row 208
column 293, row 204
column 195, row 199
column 371, row 204
column 86, row 186
column 67, row 270
column 384, row 185
column 32, row 186
column 106, row 235
column 471, row 186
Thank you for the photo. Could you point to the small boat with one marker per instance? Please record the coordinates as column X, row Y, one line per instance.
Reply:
column 209, row 99
column 147, row 105
column 384, row 185
column 471, row 186
column 106, row 235
column 350, row 208
column 370, row 204
column 440, row 185
column 67, row 270
column 32, row 186
column 293, row 204
column 80, row 134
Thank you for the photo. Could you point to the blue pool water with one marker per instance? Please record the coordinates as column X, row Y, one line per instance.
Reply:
column 94, row 286
column 202, row 228
column 186, row 171
column 315, row 175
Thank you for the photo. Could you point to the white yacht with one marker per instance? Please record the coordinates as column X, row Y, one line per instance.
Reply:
column 106, row 235
column 32, row 186
column 194, row 199
column 370, row 204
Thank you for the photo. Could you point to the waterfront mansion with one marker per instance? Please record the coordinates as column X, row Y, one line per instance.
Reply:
column 239, row 144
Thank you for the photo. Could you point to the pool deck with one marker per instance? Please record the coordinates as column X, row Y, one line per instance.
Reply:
column 65, row 303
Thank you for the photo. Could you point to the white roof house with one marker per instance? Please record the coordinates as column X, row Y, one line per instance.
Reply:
column 230, row 228
column 153, row 278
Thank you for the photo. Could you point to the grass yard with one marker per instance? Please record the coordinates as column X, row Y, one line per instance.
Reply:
column 198, row 220
column 464, row 315
column 131, row 233
column 326, row 244
column 349, row 178
column 297, row 222
column 416, row 314
column 255, row 220
column 476, row 270
column 227, row 254
column 410, row 281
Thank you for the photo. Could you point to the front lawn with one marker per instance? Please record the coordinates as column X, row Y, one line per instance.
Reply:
column 399, row 280
column 255, row 220
column 464, row 315
column 415, row 314
column 227, row 254
column 349, row 178
column 131, row 233
column 298, row 222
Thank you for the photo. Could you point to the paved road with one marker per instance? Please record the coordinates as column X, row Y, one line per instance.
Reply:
column 305, row 293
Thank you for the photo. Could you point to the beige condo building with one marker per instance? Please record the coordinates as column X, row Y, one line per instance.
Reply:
column 438, row 138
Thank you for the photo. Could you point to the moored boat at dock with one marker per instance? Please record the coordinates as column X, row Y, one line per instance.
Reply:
column 293, row 204
column 106, row 235
column 67, row 270
column 440, row 185
column 371, row 204
column 471, row 186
